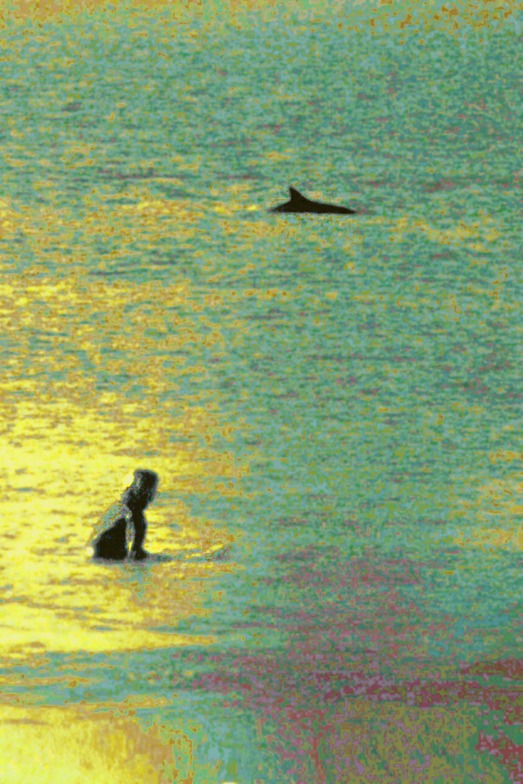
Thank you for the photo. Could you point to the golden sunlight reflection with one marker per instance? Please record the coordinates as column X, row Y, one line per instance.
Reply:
column 55, row 597
column 70, row 443
column 89, row 745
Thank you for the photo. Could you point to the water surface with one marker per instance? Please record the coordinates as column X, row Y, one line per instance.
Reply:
column 333, row 403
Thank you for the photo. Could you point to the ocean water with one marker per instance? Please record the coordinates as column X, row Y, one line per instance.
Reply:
column 333, row 403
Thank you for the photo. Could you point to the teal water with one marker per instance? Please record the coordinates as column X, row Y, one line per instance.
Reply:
column 358, row 379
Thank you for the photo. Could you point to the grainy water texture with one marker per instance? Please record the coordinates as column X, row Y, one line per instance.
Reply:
column 333, row 402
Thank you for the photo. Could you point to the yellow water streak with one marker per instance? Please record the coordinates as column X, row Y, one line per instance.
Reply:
column 91, row 745
column 71, row 443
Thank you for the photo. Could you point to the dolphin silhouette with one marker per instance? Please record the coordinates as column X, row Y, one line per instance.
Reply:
column 299, row 203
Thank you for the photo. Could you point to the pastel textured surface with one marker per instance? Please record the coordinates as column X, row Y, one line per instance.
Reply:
column 333, row 403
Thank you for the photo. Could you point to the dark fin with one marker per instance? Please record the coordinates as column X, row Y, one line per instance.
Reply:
column 300, row 203
column 296, row 195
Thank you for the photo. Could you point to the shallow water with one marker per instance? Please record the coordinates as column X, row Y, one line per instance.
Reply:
column 332, row 403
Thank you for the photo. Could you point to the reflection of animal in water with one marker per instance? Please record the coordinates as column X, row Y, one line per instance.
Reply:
column 125, row 525
column 300, row 203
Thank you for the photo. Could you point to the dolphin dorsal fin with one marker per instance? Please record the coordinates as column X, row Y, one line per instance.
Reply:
column 294, row 194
